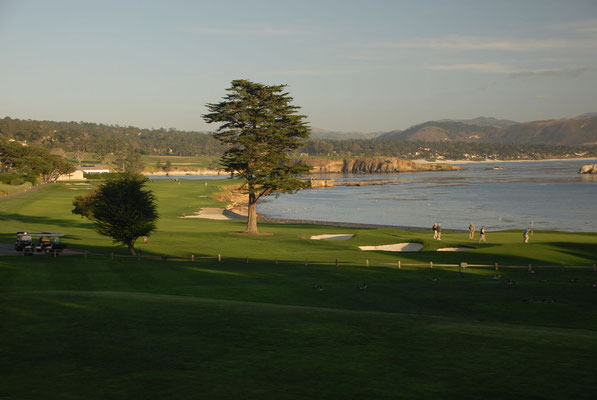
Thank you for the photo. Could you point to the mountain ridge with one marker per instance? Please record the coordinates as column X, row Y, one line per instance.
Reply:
column 564, row 132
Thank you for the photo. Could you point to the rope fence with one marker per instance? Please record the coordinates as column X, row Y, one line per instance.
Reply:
column 306, row 262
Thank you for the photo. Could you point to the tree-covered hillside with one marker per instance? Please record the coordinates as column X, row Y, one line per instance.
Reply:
column 445, row 149
column 105, row 139
column 524, row 141
column 558, row 132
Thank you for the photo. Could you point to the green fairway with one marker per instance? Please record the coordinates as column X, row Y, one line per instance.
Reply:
column 49, row 209
column 6, row 189
column 103, row 328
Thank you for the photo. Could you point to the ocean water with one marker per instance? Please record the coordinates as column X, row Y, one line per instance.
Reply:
column 543, row 195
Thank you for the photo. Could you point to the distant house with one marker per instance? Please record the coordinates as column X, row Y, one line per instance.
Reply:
column 74, row 176
column 79, row 174
column 94, row 169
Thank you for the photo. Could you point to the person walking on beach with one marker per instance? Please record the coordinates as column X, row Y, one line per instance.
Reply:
column 439, row 231
column 434, row 229
column 482, row 233
column 525, row 235
column 471, row 231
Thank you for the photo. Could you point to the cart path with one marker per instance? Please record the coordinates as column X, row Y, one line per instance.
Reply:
column 31, row 190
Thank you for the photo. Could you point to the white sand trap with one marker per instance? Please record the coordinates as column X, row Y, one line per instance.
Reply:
column 394, row 247
column 209, row 213
column 337, row 236
column 455, row 249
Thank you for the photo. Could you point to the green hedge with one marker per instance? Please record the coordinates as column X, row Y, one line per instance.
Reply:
column 10, row 178
column 104, row 175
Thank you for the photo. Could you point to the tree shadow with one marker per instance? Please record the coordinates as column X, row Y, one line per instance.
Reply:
column 581, row 250
column 40, row 220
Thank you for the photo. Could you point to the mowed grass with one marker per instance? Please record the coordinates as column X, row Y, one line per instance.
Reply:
column 49, row 209
column 6, row 189
column 75, row 327
column 94, row 328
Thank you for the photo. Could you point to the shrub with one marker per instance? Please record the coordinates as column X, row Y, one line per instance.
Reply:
column 16, row 181
column 6, row 177
column 32, row 179
column 106, row 175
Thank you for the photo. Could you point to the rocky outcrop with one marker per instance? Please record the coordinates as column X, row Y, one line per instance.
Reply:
column 373, row 165
column 187, row 171
column 321, row 183
column 588, row 169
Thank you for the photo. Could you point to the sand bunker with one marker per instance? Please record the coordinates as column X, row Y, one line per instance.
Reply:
column 209, row 213
column 455, row 249
column 394, row 247
column 337, row 236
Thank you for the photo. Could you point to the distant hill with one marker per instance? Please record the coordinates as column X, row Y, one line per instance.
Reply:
column 586, row 115
column 435, row 131
column 484, row 121
column 111, row 139
column 561, row 132
column 318, row 133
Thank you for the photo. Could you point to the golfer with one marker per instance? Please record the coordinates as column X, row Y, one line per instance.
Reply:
column 482, row 232
column 471, row 231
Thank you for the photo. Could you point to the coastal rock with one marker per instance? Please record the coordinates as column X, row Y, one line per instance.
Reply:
column 187, row 171
column 321, row 183
column 373, row 165
column 588, row 169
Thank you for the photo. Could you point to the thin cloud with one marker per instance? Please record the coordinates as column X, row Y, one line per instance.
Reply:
column 473, row 43
column 568, row 72
column 587, row 27
column 250, row 30
column 303, row 72
column 496, row 68
column 493, row 68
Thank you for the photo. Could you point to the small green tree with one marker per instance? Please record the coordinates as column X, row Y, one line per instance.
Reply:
column 129, row 161
column 260, row 127
column 121, row 208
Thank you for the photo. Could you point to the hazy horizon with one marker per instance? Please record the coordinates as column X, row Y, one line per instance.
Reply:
column 351, row 66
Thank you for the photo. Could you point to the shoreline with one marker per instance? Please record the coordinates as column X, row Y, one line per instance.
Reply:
column 212, row 172
column 230, row 214
column 262, row 218
column 487, row 161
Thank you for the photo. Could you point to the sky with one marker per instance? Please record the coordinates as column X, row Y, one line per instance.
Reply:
column 358, row 66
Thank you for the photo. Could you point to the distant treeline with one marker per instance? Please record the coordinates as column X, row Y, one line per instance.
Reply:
column 106, row 139
column 448, row 150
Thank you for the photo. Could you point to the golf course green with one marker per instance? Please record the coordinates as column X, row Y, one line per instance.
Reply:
column 277, row 319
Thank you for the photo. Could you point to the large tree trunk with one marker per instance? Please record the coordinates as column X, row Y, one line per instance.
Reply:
column 132, row 249
column 252, row 215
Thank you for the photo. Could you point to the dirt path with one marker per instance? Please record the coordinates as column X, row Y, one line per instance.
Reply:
column 33, row 189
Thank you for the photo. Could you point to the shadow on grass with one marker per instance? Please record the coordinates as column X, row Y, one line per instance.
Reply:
column 583, row 250
column 28, row 219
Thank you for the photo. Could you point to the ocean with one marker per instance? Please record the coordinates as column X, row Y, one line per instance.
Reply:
column 545, row 195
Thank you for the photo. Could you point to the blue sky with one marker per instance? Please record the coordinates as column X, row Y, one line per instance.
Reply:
column 351, row 65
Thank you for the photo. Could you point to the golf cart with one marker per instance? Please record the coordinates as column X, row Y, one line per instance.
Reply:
column 24, row 241
column 49, row 242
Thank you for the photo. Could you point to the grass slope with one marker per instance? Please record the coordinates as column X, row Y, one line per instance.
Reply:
column 98, row 328
column 49, row 209
column 148, row 329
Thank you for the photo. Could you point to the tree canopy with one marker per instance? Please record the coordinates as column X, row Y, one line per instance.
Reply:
column 121, row 208
column 32, row 161
column 260, row 127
